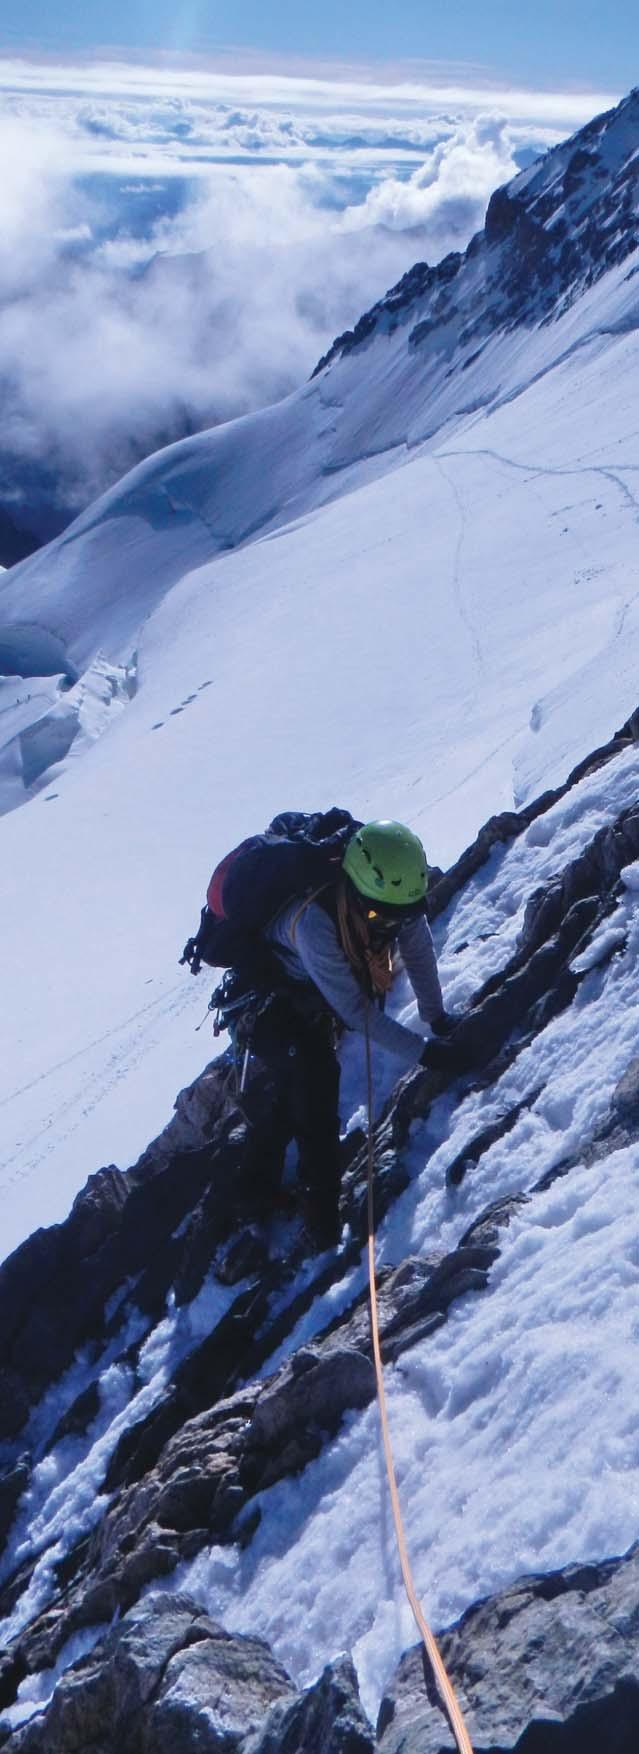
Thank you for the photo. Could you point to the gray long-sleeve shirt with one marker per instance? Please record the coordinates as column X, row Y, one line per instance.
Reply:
column 308, row 945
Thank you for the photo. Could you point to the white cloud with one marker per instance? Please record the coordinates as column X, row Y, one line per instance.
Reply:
column 34, row 200
column 180, row 245
column 448, row 194
column 304, row 91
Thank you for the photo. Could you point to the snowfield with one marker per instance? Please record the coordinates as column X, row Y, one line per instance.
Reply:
column 438, row 642
column 410, row 589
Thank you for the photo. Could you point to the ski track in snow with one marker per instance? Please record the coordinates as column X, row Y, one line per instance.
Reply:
column 65, row 1116
column 61, row 1065
column 462, row 536
column 61, row 1117
column 537, row 468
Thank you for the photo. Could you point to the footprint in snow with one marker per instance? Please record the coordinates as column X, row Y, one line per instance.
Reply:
column 187, row 702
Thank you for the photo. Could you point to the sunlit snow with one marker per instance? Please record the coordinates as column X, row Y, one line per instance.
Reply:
column 472, row 568
column 415, row 597
column 515, row 1439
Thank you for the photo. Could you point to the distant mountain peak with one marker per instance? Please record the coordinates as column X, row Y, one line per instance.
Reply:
column 549, row 233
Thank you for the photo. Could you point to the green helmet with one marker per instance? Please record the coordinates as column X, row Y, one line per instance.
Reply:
column 387, row 864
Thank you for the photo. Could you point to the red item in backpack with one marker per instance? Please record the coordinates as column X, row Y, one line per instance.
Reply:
column 215, row 891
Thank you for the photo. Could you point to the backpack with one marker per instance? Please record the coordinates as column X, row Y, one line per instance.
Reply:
column 299, row 852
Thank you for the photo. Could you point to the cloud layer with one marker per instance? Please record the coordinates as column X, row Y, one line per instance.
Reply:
column 179, row 247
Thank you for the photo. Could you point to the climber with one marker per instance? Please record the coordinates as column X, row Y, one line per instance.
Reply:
column 335, row 952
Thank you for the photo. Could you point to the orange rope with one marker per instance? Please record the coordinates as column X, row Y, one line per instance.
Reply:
column 446, row 1691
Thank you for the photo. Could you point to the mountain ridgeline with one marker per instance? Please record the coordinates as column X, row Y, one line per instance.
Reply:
column 194, row 1545
column 549, row 235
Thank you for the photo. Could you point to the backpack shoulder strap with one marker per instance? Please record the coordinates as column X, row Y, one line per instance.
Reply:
column 308, row 899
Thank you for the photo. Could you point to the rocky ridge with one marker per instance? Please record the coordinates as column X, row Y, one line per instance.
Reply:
column 219, row 1428
column 548, row 235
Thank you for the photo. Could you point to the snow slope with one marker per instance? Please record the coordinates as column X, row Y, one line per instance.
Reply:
column 429, row 609
column 513, row 1424
column 515, row 1435
column 445, row 343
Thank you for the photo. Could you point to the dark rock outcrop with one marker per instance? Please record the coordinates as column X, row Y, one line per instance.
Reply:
column 181, row 1483
column 327, row 1719
column 418, row 281
column 550, row 1665
column 167, row 1678
column 117, row 1234
column 548, row 235
column 188, row 1472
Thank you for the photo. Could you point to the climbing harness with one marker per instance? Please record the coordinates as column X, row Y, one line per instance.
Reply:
column 236, row 1008
column 444, row 1685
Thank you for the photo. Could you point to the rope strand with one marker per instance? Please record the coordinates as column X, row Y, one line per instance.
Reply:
column 444, row 1685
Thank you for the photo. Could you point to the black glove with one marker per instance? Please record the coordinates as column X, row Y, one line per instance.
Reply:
column 443, row 1056
column 443, row 1023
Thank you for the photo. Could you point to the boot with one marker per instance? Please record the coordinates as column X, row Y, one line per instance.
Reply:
column 322, row 1222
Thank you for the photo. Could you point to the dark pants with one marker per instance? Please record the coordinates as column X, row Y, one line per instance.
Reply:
column 298, row 1052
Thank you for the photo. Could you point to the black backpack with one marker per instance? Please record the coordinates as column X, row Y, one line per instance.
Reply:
column 298, row 853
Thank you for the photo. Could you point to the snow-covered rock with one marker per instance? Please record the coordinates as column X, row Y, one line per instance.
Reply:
column 430, row 612
column 164, row 1418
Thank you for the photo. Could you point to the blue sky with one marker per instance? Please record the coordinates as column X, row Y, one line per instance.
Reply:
column 567, row 41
